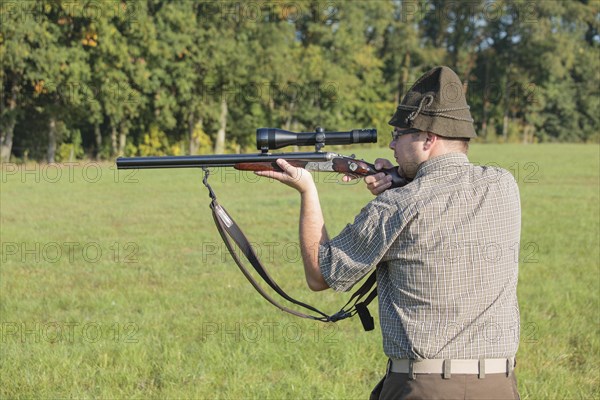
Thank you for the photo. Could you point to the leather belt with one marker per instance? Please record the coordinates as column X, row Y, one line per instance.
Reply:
column 447, row 367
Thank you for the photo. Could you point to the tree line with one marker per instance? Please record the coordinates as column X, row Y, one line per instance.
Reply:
column 101, row 78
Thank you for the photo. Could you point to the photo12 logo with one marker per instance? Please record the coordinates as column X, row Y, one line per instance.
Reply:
column 465, row 10
column 253, row 332
column 267, row 12
column 276, row 93
column 70, row 252
column 68, row 172
column 68, row 332
column 21, row 11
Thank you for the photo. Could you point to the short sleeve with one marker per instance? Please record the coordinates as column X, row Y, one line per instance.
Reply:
column 348, row 257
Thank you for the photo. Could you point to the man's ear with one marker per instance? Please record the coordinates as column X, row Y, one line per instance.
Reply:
column 430, row 140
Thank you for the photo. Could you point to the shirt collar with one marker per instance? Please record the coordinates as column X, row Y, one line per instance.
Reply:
column 440, row 163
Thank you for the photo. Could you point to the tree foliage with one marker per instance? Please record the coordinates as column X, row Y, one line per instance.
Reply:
column 99, row 79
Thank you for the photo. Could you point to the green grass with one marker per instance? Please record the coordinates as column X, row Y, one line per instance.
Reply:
column 118, row 289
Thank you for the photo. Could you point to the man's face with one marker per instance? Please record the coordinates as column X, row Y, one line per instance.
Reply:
column 407, row 145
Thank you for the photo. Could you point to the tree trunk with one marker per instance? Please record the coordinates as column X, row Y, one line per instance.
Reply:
column 486, row 103
column 51, row 152
column 7, row 132
column 113, row 140
column 290, row 120
column 484, row 119
column 528, row 131
column 506, row 105
column 288, row 126
column 122, row 140
column 98, row 137
column 402, row 85
column 194, row 124
column 6, row 140
column 220, row 142
column 467, row 75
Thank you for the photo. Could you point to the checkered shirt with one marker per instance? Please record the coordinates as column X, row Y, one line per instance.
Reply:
column 446, row 248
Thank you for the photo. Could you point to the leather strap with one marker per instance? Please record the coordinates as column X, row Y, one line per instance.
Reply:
column 229, row 230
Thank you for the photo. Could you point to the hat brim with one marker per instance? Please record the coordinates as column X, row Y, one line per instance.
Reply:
column 445, row 127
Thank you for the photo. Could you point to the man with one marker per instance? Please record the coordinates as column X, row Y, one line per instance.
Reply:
column 445, row 247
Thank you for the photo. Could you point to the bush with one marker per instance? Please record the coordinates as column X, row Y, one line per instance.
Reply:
column 71, row 148
column 154, row 143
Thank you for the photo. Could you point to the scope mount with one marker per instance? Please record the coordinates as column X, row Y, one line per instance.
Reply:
column 319, row 139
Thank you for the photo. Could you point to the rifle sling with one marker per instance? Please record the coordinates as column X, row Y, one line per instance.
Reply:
column 228, row 228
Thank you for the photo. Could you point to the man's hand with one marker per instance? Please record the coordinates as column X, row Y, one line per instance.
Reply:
column 380, row 182
column 298, row 178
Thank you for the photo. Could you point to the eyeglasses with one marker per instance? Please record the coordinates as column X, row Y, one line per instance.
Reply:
column 396, row 134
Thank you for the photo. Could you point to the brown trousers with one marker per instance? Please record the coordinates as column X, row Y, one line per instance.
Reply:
column 459, row 386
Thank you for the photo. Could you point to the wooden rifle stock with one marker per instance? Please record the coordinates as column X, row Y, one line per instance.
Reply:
column 342, row 165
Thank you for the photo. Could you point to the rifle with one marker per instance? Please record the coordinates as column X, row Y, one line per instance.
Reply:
column 271, row 139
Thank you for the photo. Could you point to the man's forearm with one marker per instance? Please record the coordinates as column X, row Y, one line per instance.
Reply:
column 312, row 225
column 312, row 234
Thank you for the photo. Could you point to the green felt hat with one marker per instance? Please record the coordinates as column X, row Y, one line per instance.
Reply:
column 436, row 103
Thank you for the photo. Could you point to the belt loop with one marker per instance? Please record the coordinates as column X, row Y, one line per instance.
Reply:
column 509, row 366
column 447, row 369
column 411, row 372
column 388, row 369
column 481, row 368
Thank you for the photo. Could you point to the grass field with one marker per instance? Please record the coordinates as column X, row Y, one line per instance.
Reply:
column 115, row 285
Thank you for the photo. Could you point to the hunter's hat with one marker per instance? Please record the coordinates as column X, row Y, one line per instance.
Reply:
column 436, row 103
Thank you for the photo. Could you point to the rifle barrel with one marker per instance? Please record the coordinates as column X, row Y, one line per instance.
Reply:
column 217, row 160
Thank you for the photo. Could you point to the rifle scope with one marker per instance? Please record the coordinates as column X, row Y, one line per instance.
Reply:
column 273, row 138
